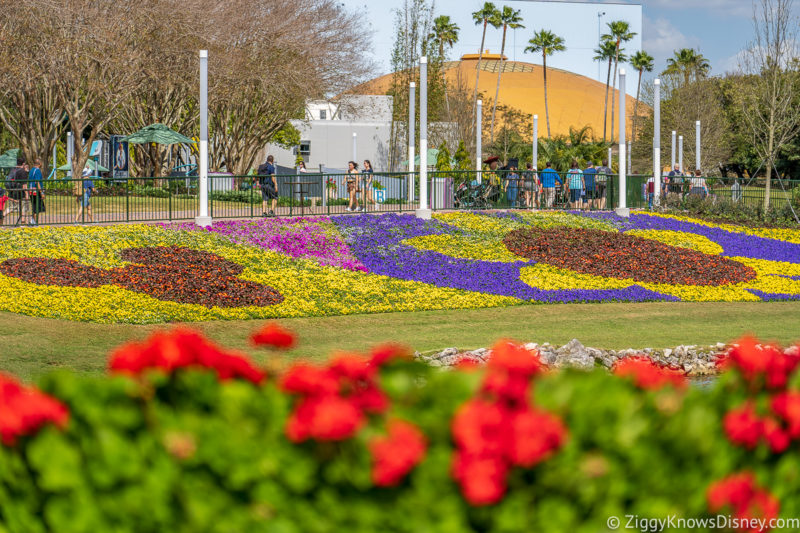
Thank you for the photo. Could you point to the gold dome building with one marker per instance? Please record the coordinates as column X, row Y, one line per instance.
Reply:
column 574, row 100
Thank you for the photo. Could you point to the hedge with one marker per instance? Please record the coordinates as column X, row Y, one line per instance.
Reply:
column 183, row 435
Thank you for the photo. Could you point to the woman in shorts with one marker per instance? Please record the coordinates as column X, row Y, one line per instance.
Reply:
column 85, row 199
column 368, row 176
column 353, row 186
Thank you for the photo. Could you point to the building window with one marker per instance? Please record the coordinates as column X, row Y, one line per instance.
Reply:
column 323, row 115
column 305, row 148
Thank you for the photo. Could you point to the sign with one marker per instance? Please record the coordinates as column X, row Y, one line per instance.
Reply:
column 119, row 158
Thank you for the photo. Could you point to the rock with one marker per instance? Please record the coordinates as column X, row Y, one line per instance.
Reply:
column 449, row 351
column 667, row 352
column 531, row 346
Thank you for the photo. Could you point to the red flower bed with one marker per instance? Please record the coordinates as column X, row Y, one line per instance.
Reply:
column 24, row 410
column 171, row 274
column 617, row 255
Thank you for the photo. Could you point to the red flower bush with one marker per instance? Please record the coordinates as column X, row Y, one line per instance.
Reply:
column 396, row 454
column 649, row 375
column 761, row 366
column 182, row 348
column 499, row 428
column 743, row 426
column 24, row 410
column 274, row 336
column 787, row 406
column 335, row 399
column 741, row 494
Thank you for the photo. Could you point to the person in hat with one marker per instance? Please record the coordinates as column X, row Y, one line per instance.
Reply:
column 491, row 177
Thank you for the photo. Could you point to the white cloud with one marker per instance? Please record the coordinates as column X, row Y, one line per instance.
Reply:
column 662, row 38
column 734, row 8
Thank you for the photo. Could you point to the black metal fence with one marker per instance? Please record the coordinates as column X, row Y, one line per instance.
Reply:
column 96, row 200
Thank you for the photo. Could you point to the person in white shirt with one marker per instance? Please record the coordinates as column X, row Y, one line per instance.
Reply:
column 699, row 187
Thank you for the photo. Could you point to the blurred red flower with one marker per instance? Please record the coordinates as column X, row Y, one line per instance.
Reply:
column 24, row 410
column 649, row 375
column 741, row 494
column 395, row 454
column 274, row 336
column 324, row 418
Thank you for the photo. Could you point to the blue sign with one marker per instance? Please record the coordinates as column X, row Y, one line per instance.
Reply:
column 120, row 158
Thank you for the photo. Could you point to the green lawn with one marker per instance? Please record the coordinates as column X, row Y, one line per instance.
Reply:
column 32, row 346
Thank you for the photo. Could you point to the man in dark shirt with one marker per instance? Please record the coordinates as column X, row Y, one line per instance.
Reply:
column 18, row 186
column 269, row 187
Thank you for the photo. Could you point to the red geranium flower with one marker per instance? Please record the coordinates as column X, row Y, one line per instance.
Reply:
column 776, row 437
column 536, row 435
column 397, row 453
column 386, row 353
column 741, row 494
column 325, row 418
column 756, row 362
column 514, row 359
column 481, row 428
column 24, row 410
column 648, row 375
column 743, row 426
column 482, row 479
column 787, row 406
column 274, row 336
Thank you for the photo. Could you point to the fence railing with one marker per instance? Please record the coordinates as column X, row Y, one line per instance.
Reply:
column 69, row 201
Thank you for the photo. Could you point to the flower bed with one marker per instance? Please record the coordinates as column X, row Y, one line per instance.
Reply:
column 369, row 264
column 185, row 435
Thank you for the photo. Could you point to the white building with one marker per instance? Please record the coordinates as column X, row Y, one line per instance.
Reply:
column 335, row 132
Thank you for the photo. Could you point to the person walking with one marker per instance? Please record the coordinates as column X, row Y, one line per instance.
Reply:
column 576, row 185
column 549, row 179
column 528, row 186
column 512, row 186
column 589, row 180
column 85, row 199
column 353, row 186
column 367, row 181
column 651, row 191
column 601, row 183
column 36, row 191
column 268, row 184
column 675, row 181
column 18, row 187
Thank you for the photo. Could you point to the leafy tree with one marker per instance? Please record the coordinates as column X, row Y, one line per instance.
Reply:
column 511, row 19
column 619, row 32
column 443, row 158
column 547, row 43
column 688, row 64
column 463, row 161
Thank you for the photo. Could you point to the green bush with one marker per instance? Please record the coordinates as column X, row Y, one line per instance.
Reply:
column 187, row 451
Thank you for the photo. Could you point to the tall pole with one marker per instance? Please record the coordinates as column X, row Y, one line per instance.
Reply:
column 423, row 211
column 203, row 219
column 657, row 139
column 70, row 153
column 609, row 156
column 697, row 144
column 412, row 93
column 355, row 148
column 479, row 140
column 535, row 159
column 680, row 153
column 622, row 209
column 629, row 158
column 674, row 137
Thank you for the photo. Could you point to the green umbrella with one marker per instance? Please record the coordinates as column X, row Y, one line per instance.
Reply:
column 433, row 153
column 9, row 158
column 159, row 134
column 90, row 163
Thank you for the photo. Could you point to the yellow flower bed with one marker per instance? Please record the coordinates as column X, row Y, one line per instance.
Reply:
column 465, row 247
column 549, row 277
column 781, row 234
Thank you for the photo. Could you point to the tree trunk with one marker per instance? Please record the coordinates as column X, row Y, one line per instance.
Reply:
column 614, row 91
column 444, row 80
column 478, row 66
column 770, row 162
column 605, row 108
column 546, row 108
column 499, row 75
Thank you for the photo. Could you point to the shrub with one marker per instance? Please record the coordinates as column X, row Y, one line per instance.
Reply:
column 187, row 436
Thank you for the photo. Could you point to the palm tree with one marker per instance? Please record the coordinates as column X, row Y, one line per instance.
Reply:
column 487, row 15
column 643, row 62
column 445, row 33
column 510, row 19
column 620, row 32
column 606, row 51
column 547, row 43
column 688, row 62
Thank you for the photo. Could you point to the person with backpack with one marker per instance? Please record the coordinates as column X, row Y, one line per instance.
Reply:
column 18, row 187
column 576, row 184
column 35, row 191
column 549, row 179
column 269, row 187
column 601, row 183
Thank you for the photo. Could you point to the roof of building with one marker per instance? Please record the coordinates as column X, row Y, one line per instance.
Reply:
column 574, row 100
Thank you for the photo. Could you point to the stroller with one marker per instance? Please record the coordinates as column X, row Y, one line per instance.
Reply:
column 471, row 197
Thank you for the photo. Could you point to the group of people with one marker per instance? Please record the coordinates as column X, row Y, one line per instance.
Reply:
column 580, row 188
column 358, row 182
column 24, row 193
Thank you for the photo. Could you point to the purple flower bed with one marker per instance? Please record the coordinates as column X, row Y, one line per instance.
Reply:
column 302, row 237
column 376, row 242
column 767, row 297
column 733, row 244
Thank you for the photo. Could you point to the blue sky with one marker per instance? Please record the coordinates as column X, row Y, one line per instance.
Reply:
column 719, row 28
